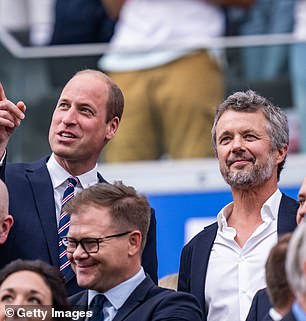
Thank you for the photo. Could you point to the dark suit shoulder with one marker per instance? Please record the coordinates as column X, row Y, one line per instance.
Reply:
column 208, row 232
column 260, row 306
column 152, row 302
column 289, row 317
column 79, row 298
column 14, row 169
column 287, row 215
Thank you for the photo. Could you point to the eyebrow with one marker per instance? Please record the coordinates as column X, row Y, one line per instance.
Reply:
column 12, row 290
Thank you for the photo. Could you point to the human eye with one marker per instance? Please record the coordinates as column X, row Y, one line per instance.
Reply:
column 7, row 298
column 34, row 300
column 301, row 202
column 224, row 140
column 90, row 244
column 86, row 110
column 250, row 137
column 63, row 105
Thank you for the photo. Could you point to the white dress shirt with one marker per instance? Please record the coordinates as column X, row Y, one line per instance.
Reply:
column 117, row 296
column 234, row 274
column 59, row 178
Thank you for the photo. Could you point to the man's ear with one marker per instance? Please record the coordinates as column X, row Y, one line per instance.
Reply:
column 135, row 241
column 6, row 225
column 282, row 153
column 112, row 127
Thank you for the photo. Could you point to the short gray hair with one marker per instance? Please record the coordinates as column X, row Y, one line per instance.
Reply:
column 251, row 102
column 296, row 257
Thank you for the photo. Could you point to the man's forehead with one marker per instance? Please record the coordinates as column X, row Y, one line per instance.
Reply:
column 302, row 191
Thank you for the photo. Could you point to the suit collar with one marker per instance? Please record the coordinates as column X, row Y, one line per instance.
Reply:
column 40, row 182
column 135, row 299
column 200, row 259
column 287, row 215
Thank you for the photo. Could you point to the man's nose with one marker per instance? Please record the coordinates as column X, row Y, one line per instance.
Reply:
column 70, row 116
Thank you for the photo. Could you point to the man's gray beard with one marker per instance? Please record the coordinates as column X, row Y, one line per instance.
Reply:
column 244, row 179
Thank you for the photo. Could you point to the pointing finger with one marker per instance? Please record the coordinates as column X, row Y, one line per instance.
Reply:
column 2, row 93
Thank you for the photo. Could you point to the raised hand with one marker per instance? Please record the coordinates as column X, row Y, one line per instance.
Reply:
column 11, row 116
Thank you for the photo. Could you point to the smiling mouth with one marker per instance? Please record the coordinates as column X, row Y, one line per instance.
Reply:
column 240, row 161
column 67, row 135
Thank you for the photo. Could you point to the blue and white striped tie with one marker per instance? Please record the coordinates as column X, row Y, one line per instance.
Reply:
column 63, row 227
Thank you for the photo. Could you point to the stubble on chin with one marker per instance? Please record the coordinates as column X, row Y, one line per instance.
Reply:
column 248, row 177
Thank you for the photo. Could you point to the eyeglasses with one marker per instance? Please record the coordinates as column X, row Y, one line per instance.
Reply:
column 89, row 244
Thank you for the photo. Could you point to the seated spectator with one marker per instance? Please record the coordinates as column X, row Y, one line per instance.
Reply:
column 33, row 283
column 6, row 220
column 107, row 234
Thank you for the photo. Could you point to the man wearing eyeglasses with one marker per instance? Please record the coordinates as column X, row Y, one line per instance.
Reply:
column 107, row 234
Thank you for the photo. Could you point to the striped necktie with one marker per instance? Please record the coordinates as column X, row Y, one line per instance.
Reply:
column 63, row 227
column 96, row 307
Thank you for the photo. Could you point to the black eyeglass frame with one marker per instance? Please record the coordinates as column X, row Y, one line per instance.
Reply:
column 98, row 240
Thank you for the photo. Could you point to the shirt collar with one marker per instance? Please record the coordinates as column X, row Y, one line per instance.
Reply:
column 275, row 315
column 269, row 210
column 59, row 175
column 298, row 312
column 119, row 294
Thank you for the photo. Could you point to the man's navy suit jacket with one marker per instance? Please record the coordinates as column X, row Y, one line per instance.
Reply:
column 195, row 255
column 34, row 233
column 260, row 307
column 289, row 317
column 148, row 302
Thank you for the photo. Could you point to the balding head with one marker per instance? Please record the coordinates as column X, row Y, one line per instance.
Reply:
column 6, row 220
column 3, row 199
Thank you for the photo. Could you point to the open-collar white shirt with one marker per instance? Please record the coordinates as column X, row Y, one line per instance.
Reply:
column 234, row 274
column 59, row 178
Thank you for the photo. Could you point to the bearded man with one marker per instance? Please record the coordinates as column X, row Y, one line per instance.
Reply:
column 223, row 265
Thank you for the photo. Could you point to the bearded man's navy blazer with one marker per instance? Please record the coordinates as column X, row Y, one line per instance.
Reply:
column 195, row 255
column 34, row 232
column 148, row 302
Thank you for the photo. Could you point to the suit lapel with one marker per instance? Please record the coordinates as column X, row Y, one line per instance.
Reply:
column 79, row 301
column 135, row 299
column 42, row 189
column 199, row 261
column 287, row 215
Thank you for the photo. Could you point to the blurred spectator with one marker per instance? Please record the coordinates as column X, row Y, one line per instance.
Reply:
column 171, row 89
column 169, row 281
column 278, row 292
column 6, row 220
column 298, row 70
column 264, row 17
column 33, row 16
column 81, row 21
column 296, row 273
column 35, row 284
